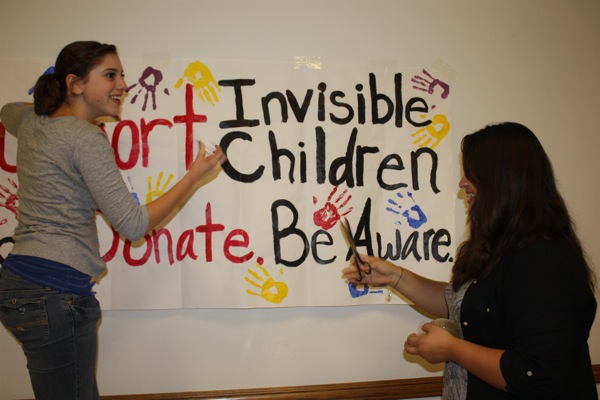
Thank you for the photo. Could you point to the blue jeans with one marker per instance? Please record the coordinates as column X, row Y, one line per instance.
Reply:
column 58, row 333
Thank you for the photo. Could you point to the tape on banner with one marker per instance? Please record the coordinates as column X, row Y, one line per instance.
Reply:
column 309, row 62
column 445, row 69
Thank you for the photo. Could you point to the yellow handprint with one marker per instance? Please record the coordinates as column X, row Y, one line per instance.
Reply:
column 158, row 191
column 433, row 133
column 270, row 290
column 203, row 81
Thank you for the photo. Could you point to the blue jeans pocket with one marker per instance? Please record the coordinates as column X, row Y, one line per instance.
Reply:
column 26, row 319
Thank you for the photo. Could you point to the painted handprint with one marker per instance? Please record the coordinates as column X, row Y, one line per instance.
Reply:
column 269, row 289
column 354, row 292
column 148, row 82
column 9, row 198
column 332, row 211
column 414, row 216
column 157, row 191
column 200, row 76
column 428, row 84
column 434, row 133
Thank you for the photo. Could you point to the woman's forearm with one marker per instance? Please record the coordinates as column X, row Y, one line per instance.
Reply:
column 162, row 206
column 424, row 292
column 483, row 362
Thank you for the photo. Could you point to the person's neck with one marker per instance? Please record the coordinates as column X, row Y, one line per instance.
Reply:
column 63, row 111
column 67, row 110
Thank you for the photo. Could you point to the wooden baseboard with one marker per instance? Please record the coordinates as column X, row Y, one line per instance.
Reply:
column 385, row 390
column 393, row 389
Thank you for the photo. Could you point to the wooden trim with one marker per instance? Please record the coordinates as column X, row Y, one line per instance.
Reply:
column 415, row 388
column 394, row 389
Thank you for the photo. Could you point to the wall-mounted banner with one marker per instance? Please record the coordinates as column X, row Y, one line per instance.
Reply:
column 306, row 146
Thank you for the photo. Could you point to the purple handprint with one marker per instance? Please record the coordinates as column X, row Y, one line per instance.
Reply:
column 428, row 85
column 149, row 81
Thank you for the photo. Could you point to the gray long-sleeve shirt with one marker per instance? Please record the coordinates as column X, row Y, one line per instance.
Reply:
column 66, row 171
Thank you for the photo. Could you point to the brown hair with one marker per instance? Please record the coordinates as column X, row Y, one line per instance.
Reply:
column 517, row 200
column 77, row 58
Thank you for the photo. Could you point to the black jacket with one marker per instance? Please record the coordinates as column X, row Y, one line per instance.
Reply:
column 536, row 305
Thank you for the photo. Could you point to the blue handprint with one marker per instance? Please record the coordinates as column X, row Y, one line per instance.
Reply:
column 407, row 213
column 354, row 292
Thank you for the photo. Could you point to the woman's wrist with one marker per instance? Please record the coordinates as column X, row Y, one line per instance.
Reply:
column 399, row 278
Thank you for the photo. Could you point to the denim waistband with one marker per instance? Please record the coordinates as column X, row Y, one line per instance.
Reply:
column 5, row 273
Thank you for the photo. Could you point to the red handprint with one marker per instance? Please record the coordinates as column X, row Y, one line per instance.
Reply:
column 9, row 199
column 329, row 215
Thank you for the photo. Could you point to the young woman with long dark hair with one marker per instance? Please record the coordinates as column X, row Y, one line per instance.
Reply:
column 522, row 293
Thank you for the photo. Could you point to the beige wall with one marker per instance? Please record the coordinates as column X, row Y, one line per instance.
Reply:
column 536, row 62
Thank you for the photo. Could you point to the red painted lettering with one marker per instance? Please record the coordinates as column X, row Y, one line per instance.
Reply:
column 5, row 166
column 231, row 242
column 157, row 242
column 189, row 119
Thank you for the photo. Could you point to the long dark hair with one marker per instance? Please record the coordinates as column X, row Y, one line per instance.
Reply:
column 517, row 200
column 77, row 58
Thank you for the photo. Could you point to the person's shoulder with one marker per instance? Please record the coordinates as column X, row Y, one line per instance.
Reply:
column 547, row 247
column 88, row 140
column 15, row 108
column 13, row 115
column 539, row 248
column 544, row 255
column 14, row 105
column 534, row 251
column 76, row 127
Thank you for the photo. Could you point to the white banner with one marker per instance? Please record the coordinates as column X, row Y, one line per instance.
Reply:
column 307, row 144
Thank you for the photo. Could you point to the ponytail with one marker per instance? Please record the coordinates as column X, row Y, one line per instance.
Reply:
column 48, row 94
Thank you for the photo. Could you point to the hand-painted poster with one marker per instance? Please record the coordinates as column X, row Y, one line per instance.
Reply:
column 307, row 144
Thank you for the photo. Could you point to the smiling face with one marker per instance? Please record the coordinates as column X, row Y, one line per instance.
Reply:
column 470, row 190
column 100, row 93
